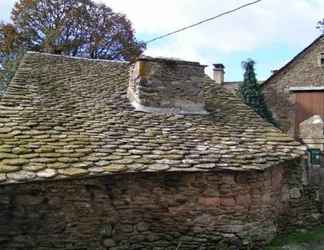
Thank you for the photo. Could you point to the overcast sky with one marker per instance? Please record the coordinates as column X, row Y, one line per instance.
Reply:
column 271, row 32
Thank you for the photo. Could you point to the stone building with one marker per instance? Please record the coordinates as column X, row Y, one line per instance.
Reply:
column 296, row 91
column 164, row 158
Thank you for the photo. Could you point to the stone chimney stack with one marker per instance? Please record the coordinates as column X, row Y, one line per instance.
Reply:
column 274, row 71
column 166, row 85
column 219, row 72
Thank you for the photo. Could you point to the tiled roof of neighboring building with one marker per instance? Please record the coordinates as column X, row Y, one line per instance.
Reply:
column 291, row 62
column 68, row 117
column 234, row 85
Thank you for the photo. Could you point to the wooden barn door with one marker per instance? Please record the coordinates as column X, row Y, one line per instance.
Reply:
column 308, row 104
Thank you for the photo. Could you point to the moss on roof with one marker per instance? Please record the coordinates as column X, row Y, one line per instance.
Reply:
column 70, row 117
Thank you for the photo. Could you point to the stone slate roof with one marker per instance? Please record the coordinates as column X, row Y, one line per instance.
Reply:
column 291, row 62
column 70, row 117
column 232, row 86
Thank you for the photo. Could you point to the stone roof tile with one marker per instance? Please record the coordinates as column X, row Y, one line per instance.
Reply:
column 69, row 117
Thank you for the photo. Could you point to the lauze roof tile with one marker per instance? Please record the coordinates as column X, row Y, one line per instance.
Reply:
column 70, row 117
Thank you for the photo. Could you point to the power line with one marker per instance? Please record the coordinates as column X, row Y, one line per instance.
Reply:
column 203, row 21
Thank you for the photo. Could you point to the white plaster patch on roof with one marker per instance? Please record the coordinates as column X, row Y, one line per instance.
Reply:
column 193, row 110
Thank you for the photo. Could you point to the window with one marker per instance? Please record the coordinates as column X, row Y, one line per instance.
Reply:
column 321, row 59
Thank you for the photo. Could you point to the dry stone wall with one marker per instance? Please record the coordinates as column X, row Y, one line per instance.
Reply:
column 154, row 211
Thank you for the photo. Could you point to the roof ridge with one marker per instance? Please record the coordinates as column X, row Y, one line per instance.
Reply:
column 294, row 59
column 75, row 57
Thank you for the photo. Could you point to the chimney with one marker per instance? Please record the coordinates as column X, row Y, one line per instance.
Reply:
column 219, row 73
column 274, row 71
column 165, row 85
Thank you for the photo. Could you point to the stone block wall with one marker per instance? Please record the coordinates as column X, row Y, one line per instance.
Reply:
column 167, row 84
column 303, row 71
column 155, row 211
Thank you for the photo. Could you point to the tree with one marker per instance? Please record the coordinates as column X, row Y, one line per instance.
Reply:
column 320, row 26
column 8, row 67
column 251, row 92
column 9, row 54
column 70, row 27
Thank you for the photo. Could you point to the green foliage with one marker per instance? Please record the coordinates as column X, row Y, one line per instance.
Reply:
column 315, row 236
column 70, row 27
column 320, row 26
column 251, row 93
column 76, row 28
column 9, row 64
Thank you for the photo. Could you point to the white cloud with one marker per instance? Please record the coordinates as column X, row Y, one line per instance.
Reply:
column 5, row 9
column 271, row 21
column 288, row 23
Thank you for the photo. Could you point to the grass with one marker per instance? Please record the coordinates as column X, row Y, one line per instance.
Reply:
column 311, row 236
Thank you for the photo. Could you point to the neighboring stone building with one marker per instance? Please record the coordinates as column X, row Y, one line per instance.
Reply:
column 91, row 158
column 296, row 91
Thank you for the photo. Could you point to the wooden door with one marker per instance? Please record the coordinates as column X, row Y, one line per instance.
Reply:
column 308, row 104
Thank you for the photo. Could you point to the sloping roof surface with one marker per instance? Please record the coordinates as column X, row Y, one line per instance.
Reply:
column 234, row 85
column 64, row 117
column 291, row 62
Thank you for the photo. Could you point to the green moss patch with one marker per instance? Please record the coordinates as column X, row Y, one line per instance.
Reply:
column 313, row 237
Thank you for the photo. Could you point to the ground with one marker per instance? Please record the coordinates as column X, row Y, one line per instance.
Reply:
column 302, row 240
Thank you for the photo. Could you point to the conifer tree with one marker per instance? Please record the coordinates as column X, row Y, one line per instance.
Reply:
column 251, row 92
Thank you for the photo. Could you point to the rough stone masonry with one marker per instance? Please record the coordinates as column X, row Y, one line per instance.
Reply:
column 156, row 211
column 167, row 85
column 81, row 169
